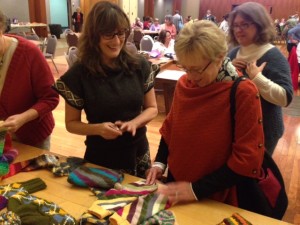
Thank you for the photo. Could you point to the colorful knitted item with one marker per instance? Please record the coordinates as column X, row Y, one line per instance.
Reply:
column 42, row 161
column 36, row 211
column 29, row 186
column 164, row 217
column 7, row 153
column 235, row 219
column 10, row 218
column 65, row 168
column 94, row 177
column 127, row 204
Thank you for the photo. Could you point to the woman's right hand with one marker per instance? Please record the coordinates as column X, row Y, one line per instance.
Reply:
column 239, row 63
column 153, row 174
column 109, row 131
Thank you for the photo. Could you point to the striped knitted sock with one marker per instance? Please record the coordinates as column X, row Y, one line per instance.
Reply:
column 65, row 168
column 95, row 177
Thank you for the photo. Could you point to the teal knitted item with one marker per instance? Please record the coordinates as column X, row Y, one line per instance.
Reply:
column 95, row 177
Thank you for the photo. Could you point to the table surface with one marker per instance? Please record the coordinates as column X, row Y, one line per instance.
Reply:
column 28, row 25
column 75, row 200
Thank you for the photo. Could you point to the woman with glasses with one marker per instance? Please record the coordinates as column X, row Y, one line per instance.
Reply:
column 115, row 90
column 197, row 134
column 252, row 29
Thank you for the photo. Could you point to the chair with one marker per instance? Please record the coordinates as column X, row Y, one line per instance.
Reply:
column 72, row 54
column 50, row 49
column 137, row 36
column 72, row 39
column 146, row 43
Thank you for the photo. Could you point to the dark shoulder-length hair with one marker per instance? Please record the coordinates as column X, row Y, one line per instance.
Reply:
column 163, row 35
column 257, row 14
column 104, row 17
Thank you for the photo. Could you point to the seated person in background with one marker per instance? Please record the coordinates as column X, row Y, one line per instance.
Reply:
column 164, row 43
column 147, row 23
column 203, row 160
column 27, row 99
column 168, row 25
column 155, row 26
column 137, row 24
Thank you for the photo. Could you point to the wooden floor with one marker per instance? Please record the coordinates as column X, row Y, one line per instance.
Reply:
column 287, row 153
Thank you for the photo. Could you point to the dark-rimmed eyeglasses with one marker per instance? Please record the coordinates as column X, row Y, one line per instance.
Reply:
column 242, row 26
column 194, row 70
column 121, row 34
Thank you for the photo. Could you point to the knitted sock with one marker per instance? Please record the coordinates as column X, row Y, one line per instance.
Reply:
column 235, row 219
column 36, row 211
column 95, row 177
column 3, row 202
column 65, row 168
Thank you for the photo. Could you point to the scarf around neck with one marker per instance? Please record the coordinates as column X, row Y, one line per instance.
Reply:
column 253, row 52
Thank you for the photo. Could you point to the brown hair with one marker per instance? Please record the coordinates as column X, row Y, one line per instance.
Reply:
column 163, row 35
column 2, row 21
column 104, row 17
column 258, row 15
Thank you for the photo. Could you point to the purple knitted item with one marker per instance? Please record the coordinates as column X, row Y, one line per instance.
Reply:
column 3, row 202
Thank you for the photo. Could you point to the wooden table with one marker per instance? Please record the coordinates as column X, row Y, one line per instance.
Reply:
column 75, row 200
column 167, row 81
column 28, row 25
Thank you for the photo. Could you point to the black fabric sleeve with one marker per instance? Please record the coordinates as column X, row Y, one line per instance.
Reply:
column 163, row 152
column 219, row 180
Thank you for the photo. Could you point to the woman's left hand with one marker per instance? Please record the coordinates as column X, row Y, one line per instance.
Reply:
column 252, row 69
column 128, row 126
column 177, row 192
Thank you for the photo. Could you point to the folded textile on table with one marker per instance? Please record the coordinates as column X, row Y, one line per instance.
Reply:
column 36, row 211
column 65, row 168
column 235, row 219
column 131, row 203
column 95, row 177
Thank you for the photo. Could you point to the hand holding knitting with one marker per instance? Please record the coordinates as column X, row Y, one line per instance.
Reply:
column 177, row 192
column 253, row 70
column 128, row 126
column 239, row 63
column 109, row 131
column 153, row 174
column 14, row 122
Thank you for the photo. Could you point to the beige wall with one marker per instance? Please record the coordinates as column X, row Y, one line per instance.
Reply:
column 190, row 8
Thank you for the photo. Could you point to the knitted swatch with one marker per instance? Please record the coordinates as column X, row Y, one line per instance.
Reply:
column 235, row 219
column 36, row 211
column 95, row 177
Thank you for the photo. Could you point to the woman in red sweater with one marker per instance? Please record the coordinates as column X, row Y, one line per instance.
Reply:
column 26, row 96
column 197, row 135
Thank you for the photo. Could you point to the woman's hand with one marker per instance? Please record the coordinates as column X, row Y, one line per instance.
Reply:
column 177, row 192
column 252, row 69
column 14, row 122
column 153, row 174
column 239, row 63
column 109, row 131
column 128, row 126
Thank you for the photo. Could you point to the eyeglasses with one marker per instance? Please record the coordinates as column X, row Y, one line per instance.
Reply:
column 121, row 34
column 242, row 26
column 194, row 70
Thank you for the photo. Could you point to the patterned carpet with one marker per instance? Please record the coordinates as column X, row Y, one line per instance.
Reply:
column 294, row 108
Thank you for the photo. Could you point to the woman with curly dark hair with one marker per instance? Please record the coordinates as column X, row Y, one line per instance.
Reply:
column 114, row 88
